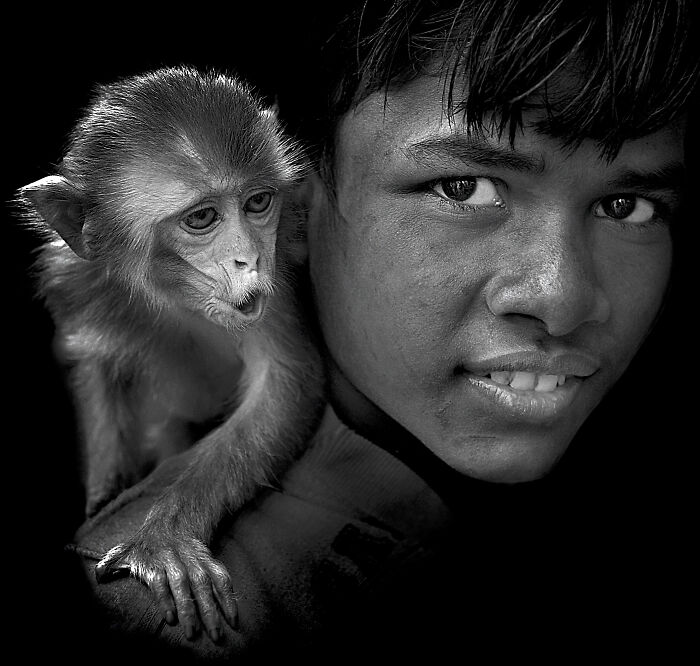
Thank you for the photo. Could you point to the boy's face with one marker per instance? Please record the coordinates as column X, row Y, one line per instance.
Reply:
column 486, row 297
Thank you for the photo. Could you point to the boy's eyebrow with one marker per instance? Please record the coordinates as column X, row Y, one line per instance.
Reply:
column 472, row 150
column 670, row 176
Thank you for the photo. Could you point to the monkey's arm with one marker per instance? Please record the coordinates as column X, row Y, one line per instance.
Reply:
column 115, row 435
column 110, row 464
column 282, row 399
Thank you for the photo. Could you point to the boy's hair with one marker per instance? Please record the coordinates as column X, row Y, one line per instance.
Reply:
column 635, row 63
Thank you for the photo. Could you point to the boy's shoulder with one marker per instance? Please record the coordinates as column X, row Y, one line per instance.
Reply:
column 342, row 521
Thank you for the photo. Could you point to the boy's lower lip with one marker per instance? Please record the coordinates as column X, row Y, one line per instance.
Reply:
column 525, row 404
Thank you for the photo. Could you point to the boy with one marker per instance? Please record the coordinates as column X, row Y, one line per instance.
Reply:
column 489, row 245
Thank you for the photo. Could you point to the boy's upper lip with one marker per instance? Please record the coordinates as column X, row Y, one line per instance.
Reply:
column 576, row 363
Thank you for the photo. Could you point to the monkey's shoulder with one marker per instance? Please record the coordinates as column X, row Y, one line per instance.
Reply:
column 94, row 315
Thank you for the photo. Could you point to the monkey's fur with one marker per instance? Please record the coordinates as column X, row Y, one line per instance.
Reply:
column 166, row 270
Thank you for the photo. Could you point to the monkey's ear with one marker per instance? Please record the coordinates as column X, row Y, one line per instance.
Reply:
column 62, row 207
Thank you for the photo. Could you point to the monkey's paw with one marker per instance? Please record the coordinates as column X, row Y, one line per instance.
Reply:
column 188, row 584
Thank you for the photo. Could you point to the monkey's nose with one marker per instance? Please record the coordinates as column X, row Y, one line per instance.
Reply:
column 249, row 264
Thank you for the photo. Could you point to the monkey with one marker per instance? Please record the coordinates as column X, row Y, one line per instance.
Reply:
column 171, row 238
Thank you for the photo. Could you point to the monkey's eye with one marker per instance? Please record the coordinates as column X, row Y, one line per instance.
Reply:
column 258, row 203
column 201, row 219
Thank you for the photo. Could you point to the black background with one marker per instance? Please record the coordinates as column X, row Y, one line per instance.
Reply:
column 641, row 478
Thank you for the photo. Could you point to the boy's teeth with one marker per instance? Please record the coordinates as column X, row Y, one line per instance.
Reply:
column 523, row 380
column 501, row 377
column 546, row 382
column 528, row 381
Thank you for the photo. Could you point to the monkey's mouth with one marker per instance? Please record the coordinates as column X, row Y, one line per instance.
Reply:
column 252, row 306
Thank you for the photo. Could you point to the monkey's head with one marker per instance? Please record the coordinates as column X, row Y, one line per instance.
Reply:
column 174, row 182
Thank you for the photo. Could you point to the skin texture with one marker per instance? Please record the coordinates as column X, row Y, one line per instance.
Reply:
column 417, row 295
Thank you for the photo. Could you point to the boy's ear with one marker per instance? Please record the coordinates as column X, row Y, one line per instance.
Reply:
column 62, row 207
column 317, row 202
column 310, row 190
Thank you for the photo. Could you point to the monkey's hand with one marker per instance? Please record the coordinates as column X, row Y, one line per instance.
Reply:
column 188, row 584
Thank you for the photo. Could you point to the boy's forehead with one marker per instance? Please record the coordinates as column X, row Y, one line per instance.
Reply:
column 412, row 122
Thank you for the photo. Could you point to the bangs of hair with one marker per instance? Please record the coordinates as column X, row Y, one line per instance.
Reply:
column 627, row 68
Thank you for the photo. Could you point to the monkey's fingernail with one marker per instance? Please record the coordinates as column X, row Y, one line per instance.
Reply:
column 189, row 632
column 215, row 635
column 105, row 574
column 170, row 618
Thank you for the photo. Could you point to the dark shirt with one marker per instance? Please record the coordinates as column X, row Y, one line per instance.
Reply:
column 370, row 550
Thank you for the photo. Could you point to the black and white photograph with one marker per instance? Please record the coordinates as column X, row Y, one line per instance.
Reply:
column 351, row 332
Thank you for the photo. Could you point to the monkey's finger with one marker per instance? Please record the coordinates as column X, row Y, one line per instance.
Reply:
column 184, row 601
column 224, row 593
column 208, row 609
column 158, row 583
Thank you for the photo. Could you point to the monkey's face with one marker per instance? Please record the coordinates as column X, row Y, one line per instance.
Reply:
column 216, row 250
column 171, row 186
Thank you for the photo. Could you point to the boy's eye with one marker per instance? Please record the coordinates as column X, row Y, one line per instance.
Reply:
column 472, row 190
column 627, row 207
